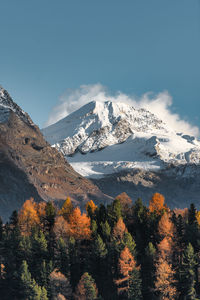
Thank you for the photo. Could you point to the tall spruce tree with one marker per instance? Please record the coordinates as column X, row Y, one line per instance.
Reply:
column 187, row 274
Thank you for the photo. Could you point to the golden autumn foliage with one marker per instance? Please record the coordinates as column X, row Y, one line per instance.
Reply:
column 119, row 229
column 79, row 225
column 157, row 203
column 198, row 217
column 28, row 216
column 66, row 209
column 41, row 209
column 126, row 262
column 90, row 207
column 126, row 265
column 166, row 227
column 165, row 248
column 165, row 281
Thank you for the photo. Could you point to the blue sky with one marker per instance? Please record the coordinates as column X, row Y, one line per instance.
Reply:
column 132, row 46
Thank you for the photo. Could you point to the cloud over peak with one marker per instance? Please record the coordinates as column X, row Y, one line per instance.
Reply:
column 159, row 104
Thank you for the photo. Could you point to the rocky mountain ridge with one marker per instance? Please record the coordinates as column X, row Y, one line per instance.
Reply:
column 30, row 167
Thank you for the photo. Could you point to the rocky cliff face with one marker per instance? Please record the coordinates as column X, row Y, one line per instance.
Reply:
column 30, row 167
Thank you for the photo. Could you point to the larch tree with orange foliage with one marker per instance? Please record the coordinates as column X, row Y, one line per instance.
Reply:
column 165, row 227
column 157, row 203
column 126, row 265
column 165, row 282
column 79, row 225
column 119, row 230
column 28, row 216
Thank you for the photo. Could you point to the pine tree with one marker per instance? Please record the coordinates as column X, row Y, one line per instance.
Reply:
column 114, row 212
column 135, row 285
column 100, row 248
column 148, row 271
column 105, row 231
column 187, row 274
column 62, row 257
column 86, row 288
column 29, row 289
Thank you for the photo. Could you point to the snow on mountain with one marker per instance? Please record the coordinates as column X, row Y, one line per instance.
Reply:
column 7, row 105
column 104, row 138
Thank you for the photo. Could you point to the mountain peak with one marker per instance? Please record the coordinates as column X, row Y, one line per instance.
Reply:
column 127, row 137
column 7, row 105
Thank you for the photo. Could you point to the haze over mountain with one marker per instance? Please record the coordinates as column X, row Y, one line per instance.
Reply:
column 130, row 148
column 30, row 167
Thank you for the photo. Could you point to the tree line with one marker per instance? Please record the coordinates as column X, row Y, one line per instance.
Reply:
column 118, row 251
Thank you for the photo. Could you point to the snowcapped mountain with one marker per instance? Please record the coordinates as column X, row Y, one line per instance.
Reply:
column 105, row 138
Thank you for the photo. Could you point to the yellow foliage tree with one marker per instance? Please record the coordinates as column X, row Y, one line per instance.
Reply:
column 28, row 216
column 79, row 225
column 157, row 203
column 66, row 209
column 90, row 207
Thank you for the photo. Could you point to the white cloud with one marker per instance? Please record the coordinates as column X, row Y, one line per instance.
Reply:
column 159, row 104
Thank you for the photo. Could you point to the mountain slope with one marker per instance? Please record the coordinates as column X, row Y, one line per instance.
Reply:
column 29, row 166
column 124, row 149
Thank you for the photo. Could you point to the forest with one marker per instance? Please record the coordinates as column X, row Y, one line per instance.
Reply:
column 123, row 250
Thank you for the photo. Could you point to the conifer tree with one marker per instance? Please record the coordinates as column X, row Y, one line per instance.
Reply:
column 59, row 284
column 114, row 212
column 187, row 274
column 86, row 288
column 100, row 248
column 62, row 257
column 79, row 225
column 135, row 285
column 105, row 231
column 126, row 265
column 29, row 289
column 66, row 209
column 148, row 271
column 165, row 281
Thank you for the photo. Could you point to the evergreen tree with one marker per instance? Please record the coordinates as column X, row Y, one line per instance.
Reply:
column 100, row 248
column 86, row 288
column 66, row 209
column 187, row 274
column 105, row 231
column 29, row 289
column 148, row 271
column 114, row 212
column 135, row 285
